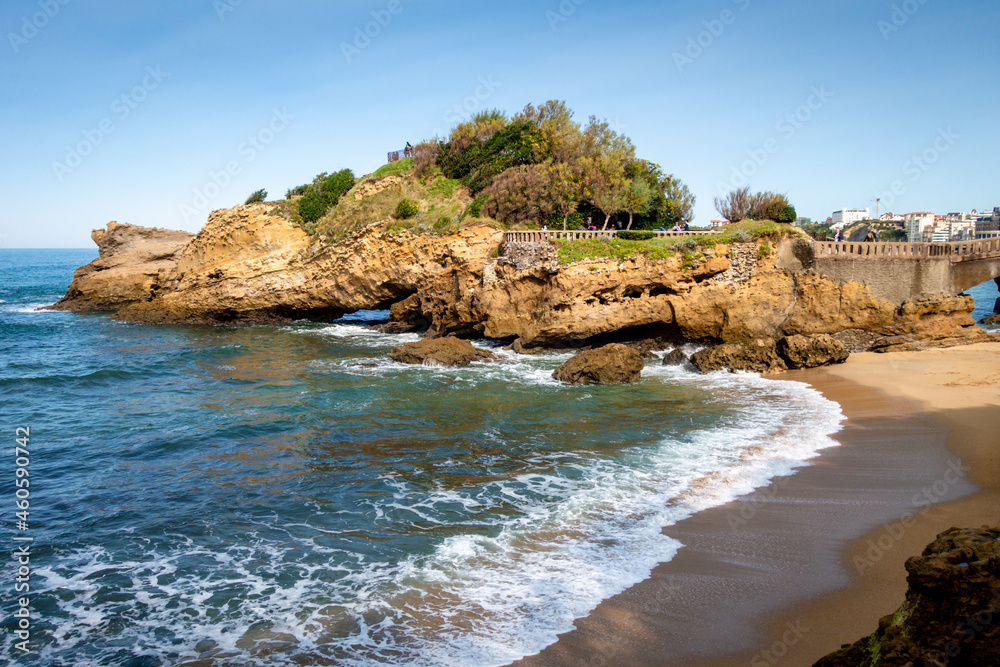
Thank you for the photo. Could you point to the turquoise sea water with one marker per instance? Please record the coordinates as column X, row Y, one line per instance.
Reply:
column 288, row 495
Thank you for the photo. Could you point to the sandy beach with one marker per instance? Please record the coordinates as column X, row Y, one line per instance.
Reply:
column 793, row 571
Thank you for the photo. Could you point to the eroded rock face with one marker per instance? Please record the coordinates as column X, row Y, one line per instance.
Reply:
column 951, row 615
column 250, row 264
column 611, row 364
column 440, row 352
column 135, row 264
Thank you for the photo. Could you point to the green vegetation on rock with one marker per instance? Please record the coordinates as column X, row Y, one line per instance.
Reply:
column 397, row 167
column 258, row 196
column 691, row 248
column 406, row 209
column 324, row 193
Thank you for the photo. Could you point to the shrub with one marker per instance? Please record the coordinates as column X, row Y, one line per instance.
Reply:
column 258, row 196
column 636, row 235
column 324, row 193
column 787, row 214
column 740, row 236
column 424, row 159
column 734, row 206
column 406, row 209
column 476, row 207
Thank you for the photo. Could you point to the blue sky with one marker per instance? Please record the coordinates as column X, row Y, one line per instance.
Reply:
column 158, row 113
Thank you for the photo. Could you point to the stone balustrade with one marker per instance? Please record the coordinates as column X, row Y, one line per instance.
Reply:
column 957, row 251
column 576, row 234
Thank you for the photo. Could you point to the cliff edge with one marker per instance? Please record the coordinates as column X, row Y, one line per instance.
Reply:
column 253, row 264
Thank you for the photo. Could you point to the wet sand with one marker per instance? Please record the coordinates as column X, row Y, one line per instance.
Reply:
column 791, row 572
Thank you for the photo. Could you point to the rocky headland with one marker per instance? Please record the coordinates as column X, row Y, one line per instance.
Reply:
column 252, row 264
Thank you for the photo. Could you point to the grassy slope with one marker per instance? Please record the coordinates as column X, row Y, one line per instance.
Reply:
column 442, row 201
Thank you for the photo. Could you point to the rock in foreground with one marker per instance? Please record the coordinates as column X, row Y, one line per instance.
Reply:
column 811, row 351
column 951, row 612
column 440, row 352
column 611, row 364
column 765, row 355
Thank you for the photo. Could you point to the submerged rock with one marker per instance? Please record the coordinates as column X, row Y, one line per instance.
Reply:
column 611, row 364
column 991, row 319
column 675, row 358
column 951, row 615
column 440, row 352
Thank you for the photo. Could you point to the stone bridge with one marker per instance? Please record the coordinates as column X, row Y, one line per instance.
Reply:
column 899, row 272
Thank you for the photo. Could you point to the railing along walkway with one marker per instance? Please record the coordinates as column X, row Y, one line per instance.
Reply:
column 576, row 234
column 957, row 251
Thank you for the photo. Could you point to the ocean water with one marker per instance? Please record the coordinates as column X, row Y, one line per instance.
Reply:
column 288, row 495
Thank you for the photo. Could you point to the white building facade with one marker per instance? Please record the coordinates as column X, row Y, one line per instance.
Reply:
column 916, row 223
column 848, row 216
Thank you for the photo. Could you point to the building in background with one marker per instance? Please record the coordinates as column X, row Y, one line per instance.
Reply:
column 848, row 216
column 916, row 223
column 987, row 225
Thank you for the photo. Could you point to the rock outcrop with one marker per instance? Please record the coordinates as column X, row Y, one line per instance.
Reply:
column 757, row 356
column 951, row 615
column 440, row 352
column 990, row 319
column 611, row 364
column 135, row 264
column 811, row 351
column 766, row 355
column 252, row 264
